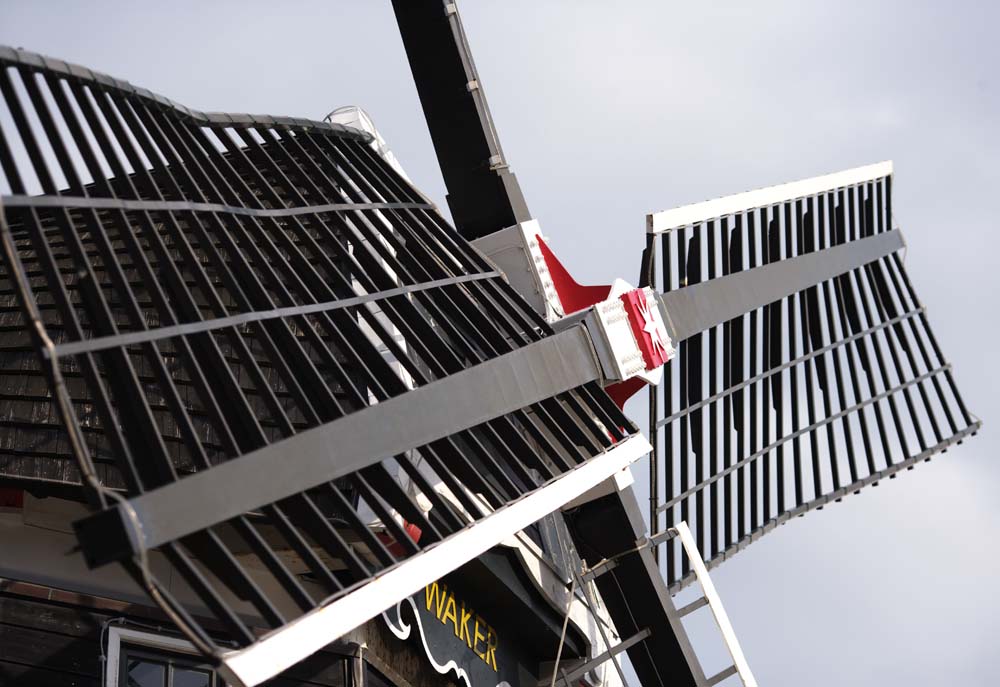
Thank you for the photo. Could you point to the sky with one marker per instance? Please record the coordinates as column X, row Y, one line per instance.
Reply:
column 608, row 111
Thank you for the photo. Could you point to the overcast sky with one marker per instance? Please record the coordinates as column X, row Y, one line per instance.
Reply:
column 610, row 110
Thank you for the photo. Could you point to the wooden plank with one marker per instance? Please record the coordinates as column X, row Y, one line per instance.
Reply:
column 50, row 617
column 64, row 638
column 39, row 648
column 38, row 676
column 321, row 669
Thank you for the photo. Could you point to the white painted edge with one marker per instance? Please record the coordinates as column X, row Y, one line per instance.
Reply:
column 715, row 603
column 117, row 635
column 531, row 233
column 303, row 637
column 659, row 222
column 615, row 484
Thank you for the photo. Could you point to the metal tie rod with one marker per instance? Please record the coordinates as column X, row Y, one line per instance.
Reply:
column 131, row 338
column 609, row 564
column 729, row 391
column 800, row 432
column 78, row 202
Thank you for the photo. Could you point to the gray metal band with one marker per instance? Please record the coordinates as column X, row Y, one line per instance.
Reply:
column 18, row 201
column 132, row 338
column 696, row 308
column 458, row 402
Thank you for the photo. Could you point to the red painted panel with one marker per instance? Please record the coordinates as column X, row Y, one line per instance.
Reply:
column 573, row 296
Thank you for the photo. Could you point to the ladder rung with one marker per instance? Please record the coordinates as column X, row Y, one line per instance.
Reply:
column 720, row 676
column 700, row 602
column 599, row 569
column 570, row 678
column 715, row 603
column 660, row 537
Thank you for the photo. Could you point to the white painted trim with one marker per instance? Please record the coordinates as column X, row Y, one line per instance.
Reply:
column 658, row 222
column 616, row 483
column 283, row 648
column 515, row 252
column 118, row 635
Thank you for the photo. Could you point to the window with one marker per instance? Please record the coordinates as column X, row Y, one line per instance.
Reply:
column 138, row 667
column 142, row 659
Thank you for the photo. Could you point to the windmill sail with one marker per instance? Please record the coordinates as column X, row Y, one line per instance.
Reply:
column 285, row 387
column 807, row 367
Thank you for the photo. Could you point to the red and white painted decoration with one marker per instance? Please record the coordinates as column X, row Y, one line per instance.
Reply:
column 628, row 324
column 647, row 326
column 624, row 322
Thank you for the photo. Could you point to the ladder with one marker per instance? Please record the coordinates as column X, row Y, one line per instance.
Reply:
column 569, row 675
column 710, row 597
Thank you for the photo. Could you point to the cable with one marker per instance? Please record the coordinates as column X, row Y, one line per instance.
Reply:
column 592, row 608
column 562, row 637
column 592, row 602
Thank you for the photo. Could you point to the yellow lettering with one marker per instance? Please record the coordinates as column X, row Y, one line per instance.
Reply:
column 449, row 612
column 479, row 636
column 491, row 652
column 464, row 626
column 441, row 599
column 433, row 594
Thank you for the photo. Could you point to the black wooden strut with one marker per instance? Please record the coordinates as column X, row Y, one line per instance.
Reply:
column 483, row 193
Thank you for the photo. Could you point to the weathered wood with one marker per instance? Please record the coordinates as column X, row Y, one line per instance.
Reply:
column 323, row 669
column 16, row 675
column 80, row 656
column 47, row 642
column 48, row 617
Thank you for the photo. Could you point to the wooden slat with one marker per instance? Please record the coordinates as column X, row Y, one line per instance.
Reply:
column 48, row 617
column 46, row 643
column 39, row 676
column 40, row 648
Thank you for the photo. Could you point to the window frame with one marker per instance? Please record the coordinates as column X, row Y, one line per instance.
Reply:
column 117, row 636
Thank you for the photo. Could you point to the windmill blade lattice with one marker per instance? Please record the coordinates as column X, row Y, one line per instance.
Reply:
column 790, row 405
column 222, row 331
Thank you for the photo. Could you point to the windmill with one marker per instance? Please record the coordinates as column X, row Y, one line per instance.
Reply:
column 250, row 335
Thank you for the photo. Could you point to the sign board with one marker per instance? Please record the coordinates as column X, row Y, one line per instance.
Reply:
column 457, row 639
